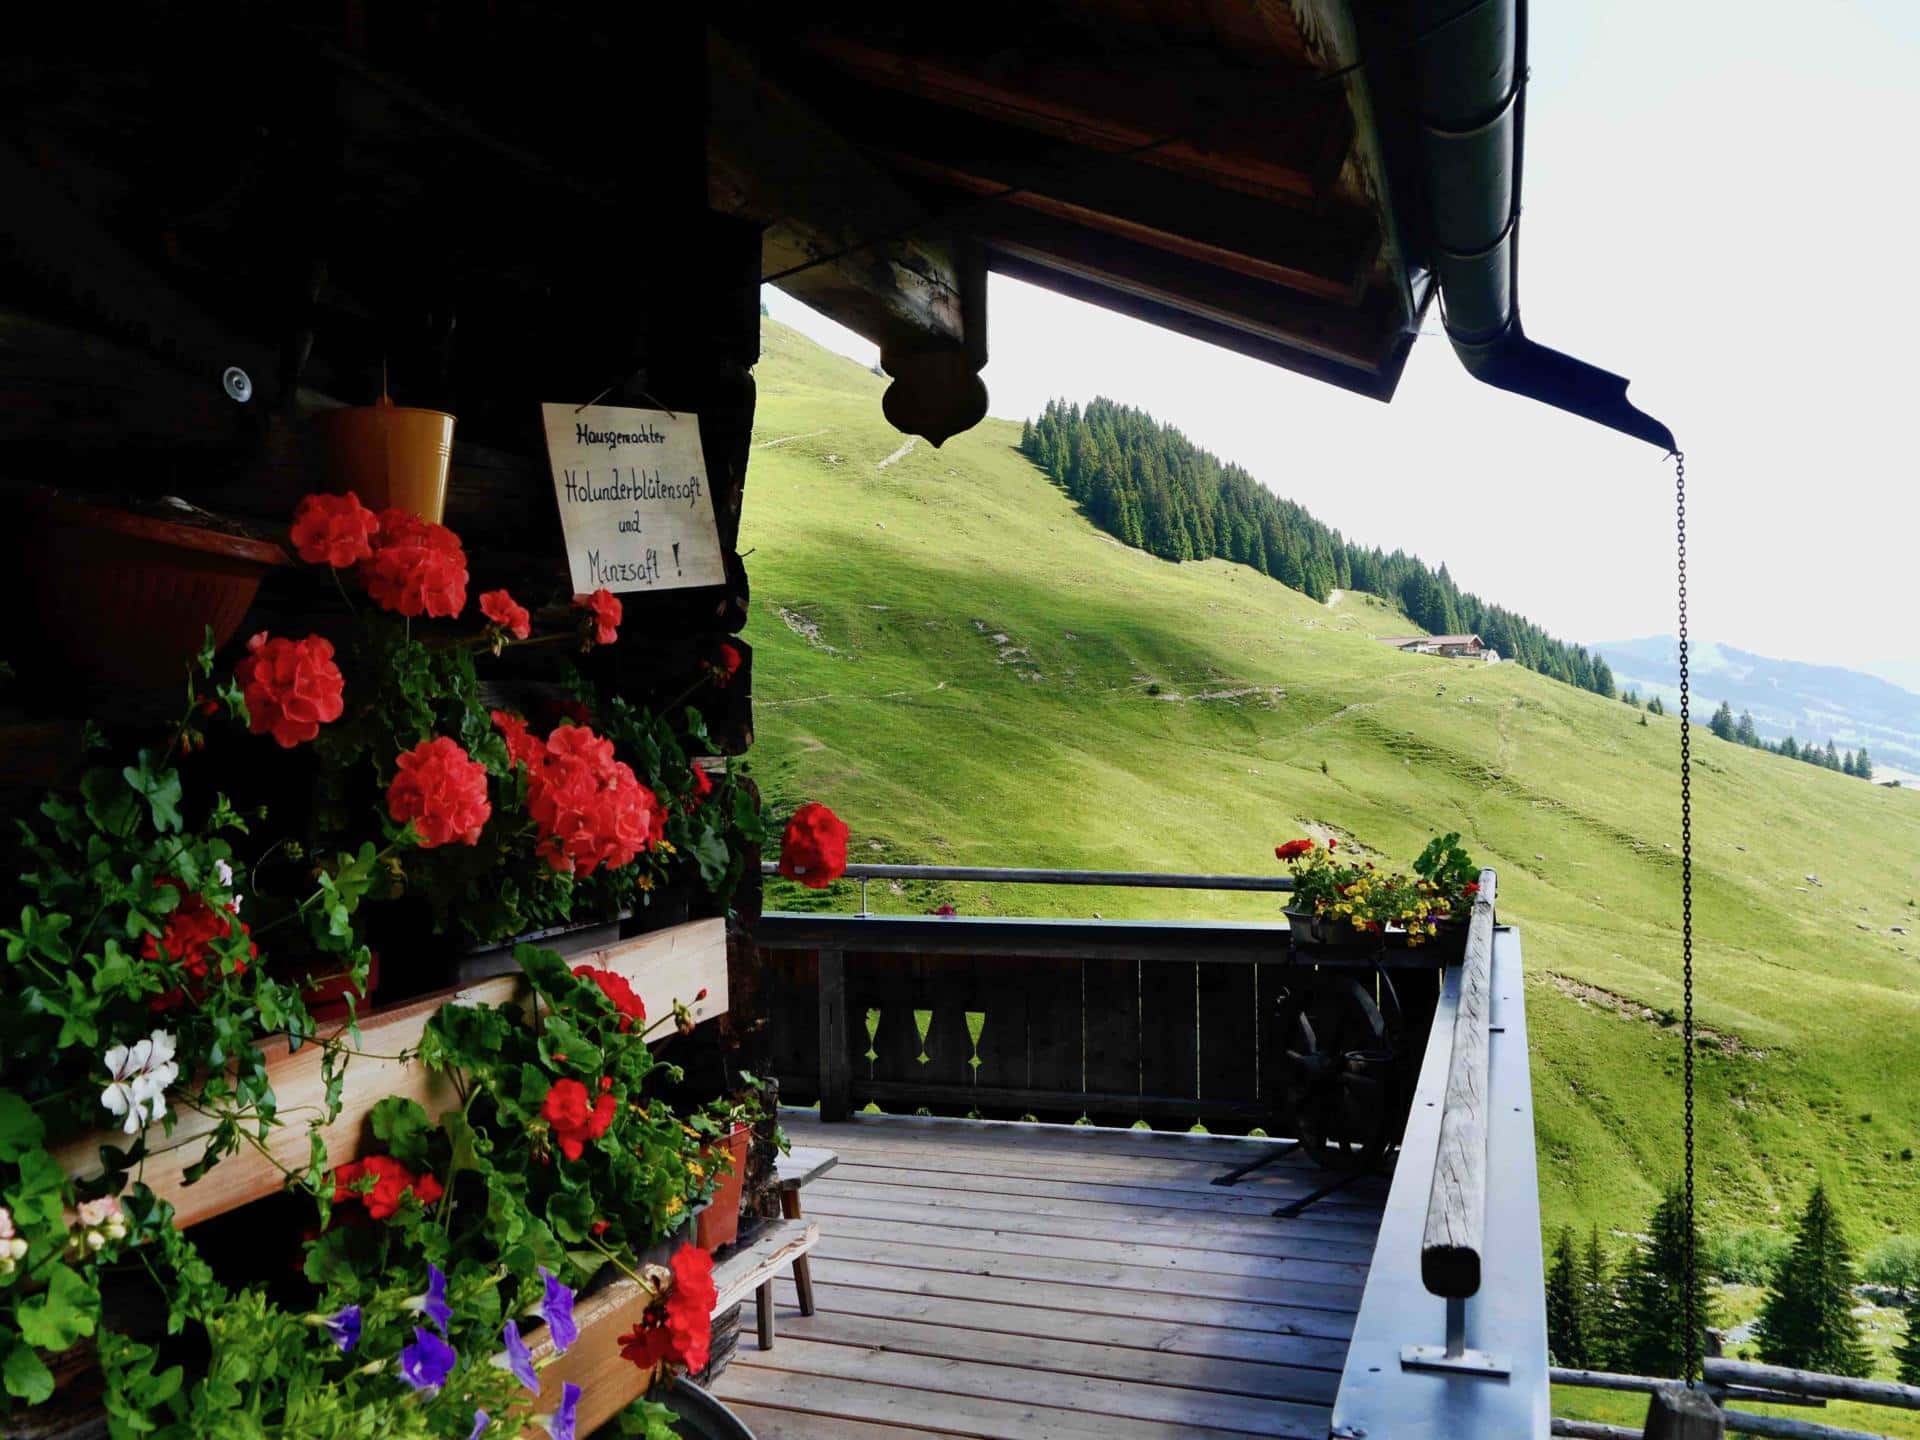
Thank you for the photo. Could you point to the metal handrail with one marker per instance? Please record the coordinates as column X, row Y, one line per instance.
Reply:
column 1118, row 879
column 1006, row 875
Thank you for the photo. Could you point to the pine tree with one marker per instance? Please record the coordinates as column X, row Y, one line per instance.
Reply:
column 1569, row 1339
column 1807, row 1320
column 1722, row 722
column 1657, row 706
column 1746, row 732
column 1603, row 1306
column 1864, row 767
column 1653, row 1296
column 1831, row 759
column 1848, row 764
column 1907, row 1357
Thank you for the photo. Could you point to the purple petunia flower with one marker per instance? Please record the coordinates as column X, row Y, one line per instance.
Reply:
column 517, row 1358
column 343, row 1328
column 560, row 1424
column 556, row 1308
column 427, row 1362
column 434, row 1304
column 479, row 1424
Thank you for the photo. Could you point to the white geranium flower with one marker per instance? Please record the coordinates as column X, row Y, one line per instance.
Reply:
column 225, row 872
column 137, row 1079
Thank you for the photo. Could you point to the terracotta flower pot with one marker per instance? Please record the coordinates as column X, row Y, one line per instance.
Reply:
column 388, row 454
column 126, row 597
column 720, row 1221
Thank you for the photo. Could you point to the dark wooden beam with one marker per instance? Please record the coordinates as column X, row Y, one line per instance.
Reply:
column 1360, row 337
column 843, row 236
column 1328, row 255
column 1282, row 137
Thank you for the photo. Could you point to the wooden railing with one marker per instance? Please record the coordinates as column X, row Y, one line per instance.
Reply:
column 1115, row 1020
column 1740, row 1380
column 1456, row 1229
column 1458, row 1258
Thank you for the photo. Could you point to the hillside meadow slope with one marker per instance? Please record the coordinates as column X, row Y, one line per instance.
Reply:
column 969, row 673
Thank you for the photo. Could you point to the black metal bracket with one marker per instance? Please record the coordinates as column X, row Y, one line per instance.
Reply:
column 1240, row 1172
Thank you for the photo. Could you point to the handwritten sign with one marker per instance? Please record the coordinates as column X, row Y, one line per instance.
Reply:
column 634, row 501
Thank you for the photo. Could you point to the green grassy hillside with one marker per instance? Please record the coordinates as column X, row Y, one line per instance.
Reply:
column 968, row 672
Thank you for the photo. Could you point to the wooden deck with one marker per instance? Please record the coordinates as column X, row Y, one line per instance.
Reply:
column 1038, row 1281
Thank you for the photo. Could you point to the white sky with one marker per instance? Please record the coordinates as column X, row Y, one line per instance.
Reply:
column 1719, row 197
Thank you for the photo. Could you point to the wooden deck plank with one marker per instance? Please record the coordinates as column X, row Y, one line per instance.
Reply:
column 1280, row 1182
column 1068, row 1403
column 1359, row 1232
column 1166, row 1261
column 1086, row 1360
column 770, row 1424
column 1209, row 1199
column 1099, row 1139
column 1088, row 1145
column 1094, row 1274
column 1078, row 1299
column 853, row 1397
column 1253, row 1237
column 1119, row 1332
column 1043, row 1282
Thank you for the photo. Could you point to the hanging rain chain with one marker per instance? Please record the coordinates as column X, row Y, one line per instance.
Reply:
column 1690, row 1341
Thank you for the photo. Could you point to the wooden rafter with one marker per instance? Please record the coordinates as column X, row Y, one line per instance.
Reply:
column 1280, row 138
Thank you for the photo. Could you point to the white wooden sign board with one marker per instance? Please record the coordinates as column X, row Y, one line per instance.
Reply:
column 634, row 500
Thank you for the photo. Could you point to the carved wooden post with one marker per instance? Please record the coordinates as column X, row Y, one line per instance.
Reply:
column 836, row 1056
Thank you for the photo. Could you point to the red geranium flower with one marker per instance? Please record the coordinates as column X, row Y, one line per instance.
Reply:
column 392, row 1183
column 416, row 567
column 690, row 1306
column 334, row 530
column 814, row 849
column 523, row 746
column 702, row 787
column 191, row 931
column 1293, row 849
column 574, row 1121
column 1472, row 887
column 590, row 809
column 615, row 987
column 292, row 687
column 501, row 608
column 648, row 1345
column 727, row 665
column 604, row 612
column 443, row 791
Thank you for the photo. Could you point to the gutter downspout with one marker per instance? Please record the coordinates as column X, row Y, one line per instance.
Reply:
column 1471, row 65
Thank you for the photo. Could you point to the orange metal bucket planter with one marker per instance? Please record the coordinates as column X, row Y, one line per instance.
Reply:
column 389, row 454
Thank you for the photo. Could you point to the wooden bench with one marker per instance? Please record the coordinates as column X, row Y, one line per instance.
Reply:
column 791, row 1172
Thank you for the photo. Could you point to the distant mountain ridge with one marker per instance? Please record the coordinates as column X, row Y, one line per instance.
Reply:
column 1786, row 697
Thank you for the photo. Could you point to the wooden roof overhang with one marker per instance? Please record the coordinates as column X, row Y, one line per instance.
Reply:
column 328, row 191
column 1291, row 179
column 1207, row 165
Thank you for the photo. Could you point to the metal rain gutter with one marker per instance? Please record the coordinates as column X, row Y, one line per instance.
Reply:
column 1471, row 65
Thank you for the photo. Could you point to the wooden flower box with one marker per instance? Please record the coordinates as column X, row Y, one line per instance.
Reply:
column 664, row 966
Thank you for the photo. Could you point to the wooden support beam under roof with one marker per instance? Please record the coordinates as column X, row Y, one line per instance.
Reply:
column 1283, row 138
column 1359, row 347
column 845, row 238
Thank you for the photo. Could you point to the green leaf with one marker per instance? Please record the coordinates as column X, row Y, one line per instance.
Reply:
column 20, row 1128
column 404, row 1126
column 108, row 804
column 711, row 852
column 161, row 790
column 61, row 1314
column 27, row 1375
column 38, row 1198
